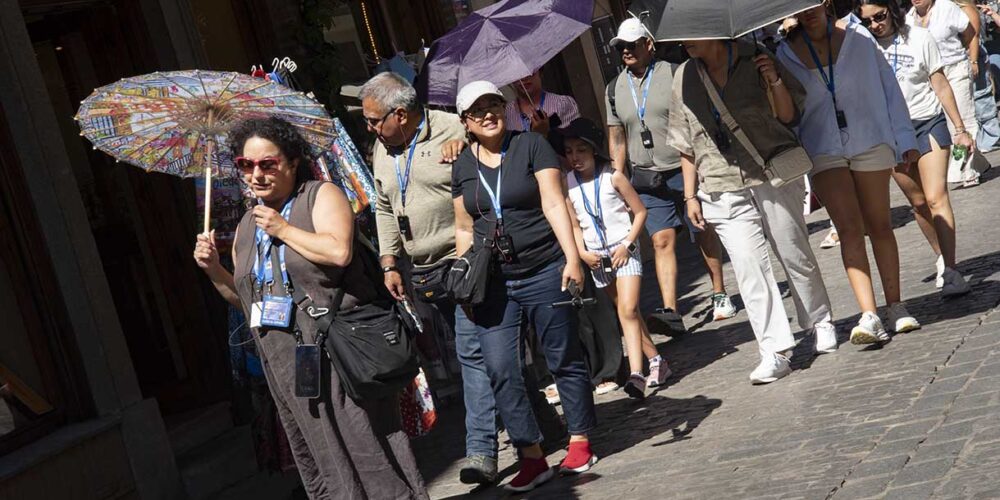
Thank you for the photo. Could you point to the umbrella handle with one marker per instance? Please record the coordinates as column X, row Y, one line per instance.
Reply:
column 209, row 146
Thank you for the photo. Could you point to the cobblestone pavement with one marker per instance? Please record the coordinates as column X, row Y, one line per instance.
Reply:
column 918, row 418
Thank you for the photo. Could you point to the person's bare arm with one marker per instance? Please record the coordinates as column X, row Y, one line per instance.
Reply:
column 550, row 187
column 206, row 255
column 691, row 202
column 970, row 37
column 634, row 204
column 332, row 243
column 945, row 94
column 618, row 147
column 464, row 232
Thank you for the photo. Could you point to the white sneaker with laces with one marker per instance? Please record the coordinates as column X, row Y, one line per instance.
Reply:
column 954, row 283
column 869, row 330
column 900, row 319
column 939, row 267
column 771, row 368
column 826, row 337
column 723, row 306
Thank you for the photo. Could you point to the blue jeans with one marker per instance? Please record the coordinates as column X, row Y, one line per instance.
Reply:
column 480, row 407
column 498, row 323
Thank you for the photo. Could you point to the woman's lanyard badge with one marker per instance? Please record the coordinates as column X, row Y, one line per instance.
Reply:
column 831, row 84
column 502, row 241
column 403, row 178
column 597, row 216
column 275, row 310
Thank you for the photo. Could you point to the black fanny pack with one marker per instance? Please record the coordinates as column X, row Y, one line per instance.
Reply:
column 429, row 283
column 469, row 275
column 649, row 181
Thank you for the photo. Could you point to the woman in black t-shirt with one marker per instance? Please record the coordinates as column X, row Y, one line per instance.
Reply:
column 525, row 214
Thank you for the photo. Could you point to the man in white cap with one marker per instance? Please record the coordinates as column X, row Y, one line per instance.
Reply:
column 637, row 133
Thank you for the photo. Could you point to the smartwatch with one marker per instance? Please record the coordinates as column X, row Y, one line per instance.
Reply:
column 632, row 247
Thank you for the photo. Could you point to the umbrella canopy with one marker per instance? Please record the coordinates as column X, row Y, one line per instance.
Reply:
column 716, row 19
column 501, row 43
column 170, row 122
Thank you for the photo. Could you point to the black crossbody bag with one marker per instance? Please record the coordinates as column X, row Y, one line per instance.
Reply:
column 430, row 284
column 370, row 346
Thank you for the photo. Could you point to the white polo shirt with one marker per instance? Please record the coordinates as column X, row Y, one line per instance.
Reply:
column 914, row 58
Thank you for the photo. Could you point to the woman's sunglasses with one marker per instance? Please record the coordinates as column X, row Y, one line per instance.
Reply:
column 246, row 165
column 877, row 18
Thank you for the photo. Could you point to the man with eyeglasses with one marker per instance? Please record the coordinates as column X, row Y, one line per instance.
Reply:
column 638, row 102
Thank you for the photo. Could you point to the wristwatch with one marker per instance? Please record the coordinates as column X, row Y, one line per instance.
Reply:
column 390, row 269
column 632, row 247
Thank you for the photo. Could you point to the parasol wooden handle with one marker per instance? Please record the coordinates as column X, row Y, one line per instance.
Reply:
column 209, row 146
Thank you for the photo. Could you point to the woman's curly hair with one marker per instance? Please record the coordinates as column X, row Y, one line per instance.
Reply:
column 277, row 130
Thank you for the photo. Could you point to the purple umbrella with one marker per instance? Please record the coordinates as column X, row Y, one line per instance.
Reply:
column 501, row 43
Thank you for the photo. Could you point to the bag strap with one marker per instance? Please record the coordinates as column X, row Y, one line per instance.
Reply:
column 727, row 118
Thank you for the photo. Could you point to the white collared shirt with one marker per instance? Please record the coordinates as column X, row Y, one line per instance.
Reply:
column 946, row 22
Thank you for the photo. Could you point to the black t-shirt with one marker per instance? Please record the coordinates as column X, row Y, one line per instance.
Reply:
column 535, row 243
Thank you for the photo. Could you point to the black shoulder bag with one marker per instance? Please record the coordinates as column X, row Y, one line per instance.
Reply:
column 370, row 346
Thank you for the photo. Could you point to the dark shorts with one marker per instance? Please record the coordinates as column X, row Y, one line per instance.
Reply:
column 936, row 127
column 665, row 208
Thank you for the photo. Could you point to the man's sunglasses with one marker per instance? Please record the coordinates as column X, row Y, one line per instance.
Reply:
column 622, row 46
column 246, row 165
column 877, row 18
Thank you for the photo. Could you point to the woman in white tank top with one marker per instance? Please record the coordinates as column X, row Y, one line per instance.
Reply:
column 606, row 237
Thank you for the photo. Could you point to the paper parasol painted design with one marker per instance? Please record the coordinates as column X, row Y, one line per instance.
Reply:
column 171, row 122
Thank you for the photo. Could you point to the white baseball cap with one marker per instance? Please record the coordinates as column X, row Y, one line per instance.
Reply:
column 472, row 91
column 630, row 30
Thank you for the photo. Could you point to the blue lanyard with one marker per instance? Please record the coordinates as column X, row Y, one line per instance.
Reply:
column 722, row 91
column 895, row 58
column 262, row 266
column 495, row 196
column 525, row 120
column 404, row 178
column 828, row 80
column 598, row 215
column 641, row 109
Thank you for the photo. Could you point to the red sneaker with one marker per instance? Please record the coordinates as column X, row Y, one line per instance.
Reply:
column 534, row 472
column 579, row 459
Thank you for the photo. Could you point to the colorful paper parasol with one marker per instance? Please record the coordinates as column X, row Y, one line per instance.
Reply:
column 170, row 122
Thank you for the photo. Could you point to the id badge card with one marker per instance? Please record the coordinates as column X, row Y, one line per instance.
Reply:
column 505, row 244
column 841, row 119
column 255, row 310
column 607, row 266
column 276, row 311
column 403, row 221
column 307, row 370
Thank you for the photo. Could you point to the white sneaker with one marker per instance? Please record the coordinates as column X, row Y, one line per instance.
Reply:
column 826, row 337
column 869, row 330
column 724, row 308
column 658, row 373
column 939, row 267
column 771, row 368
column 900, row 319
column 954, row 283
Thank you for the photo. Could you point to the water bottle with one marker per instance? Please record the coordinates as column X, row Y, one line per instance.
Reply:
column 959, row 154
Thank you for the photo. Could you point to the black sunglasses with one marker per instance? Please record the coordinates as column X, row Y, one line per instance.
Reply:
column 621, row 46
column 877, row 18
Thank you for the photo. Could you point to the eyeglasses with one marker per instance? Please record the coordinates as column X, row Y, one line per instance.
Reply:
column 246, row 165
column 621, row 47
column 478, row 114
column 877, row 18
column 374, row 124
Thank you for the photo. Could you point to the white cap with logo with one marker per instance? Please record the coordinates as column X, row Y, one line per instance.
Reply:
column 472, row 91
column 630, row 30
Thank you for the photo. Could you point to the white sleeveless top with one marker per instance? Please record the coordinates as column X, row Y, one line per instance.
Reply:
column 614, row 212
